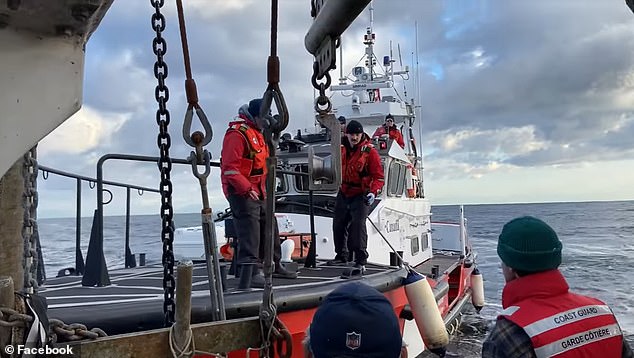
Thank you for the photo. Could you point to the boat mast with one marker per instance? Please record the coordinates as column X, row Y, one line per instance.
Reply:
column 342, row 80
column 369, row 42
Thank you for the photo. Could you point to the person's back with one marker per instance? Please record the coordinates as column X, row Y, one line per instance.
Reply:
column 541, row 318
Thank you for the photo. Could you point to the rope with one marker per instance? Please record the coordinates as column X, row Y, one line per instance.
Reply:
column 178, row 352
column 196, row 139
column 272, row 128
column 201, row 157
column 274, row 7
column 190, row 85
column 405, row 264
column 273, row 92
column 183, row 32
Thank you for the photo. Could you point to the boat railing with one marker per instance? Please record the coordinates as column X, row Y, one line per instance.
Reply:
column 79, row 260
column 94, row 269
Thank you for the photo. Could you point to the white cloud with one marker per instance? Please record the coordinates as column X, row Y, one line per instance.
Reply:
column 84, row 131
column 448, row 168
column 574, row 182
column 503, row 106
column 119, row 81
column 496, row 142
column 210, row 9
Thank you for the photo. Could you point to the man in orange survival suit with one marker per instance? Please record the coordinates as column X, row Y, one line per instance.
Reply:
column 361, row 180
column 243, row 176
column 390, row 129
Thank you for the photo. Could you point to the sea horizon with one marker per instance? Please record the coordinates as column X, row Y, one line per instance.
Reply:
column 433, row 205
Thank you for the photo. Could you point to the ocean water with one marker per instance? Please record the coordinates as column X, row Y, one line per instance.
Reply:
column 598, row 257
column 598, row 254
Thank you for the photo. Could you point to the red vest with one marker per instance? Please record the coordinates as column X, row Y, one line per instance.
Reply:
column 561, row 323
column 354, row 169
column 253, row 164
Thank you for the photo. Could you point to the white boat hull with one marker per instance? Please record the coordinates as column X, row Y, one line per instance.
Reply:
column 403, row 222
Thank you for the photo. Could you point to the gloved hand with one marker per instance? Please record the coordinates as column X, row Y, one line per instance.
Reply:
column 369, row 199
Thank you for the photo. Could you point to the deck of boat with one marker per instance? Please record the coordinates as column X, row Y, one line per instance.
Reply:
column 445, row 263
column 134, row 299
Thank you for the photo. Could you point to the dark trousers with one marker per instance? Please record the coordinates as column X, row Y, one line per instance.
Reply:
column 348, row 226
column 248, row 219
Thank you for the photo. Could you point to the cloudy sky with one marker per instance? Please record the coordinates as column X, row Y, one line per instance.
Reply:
column 522, row 101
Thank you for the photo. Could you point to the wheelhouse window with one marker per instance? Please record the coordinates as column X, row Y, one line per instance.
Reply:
column 425, row 241
column 281, row 187
column 415, row 245
column 396, row 179
column 301, row 181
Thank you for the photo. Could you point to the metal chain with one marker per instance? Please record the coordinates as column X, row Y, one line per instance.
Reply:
column 58, row 330
column 29, row 225
column 161, row 93
column 322, row 103
column 282, row 339
column 273, row 92
column 12, row 318
column 62, row 332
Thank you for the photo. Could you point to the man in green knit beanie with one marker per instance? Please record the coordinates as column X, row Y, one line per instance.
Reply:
column 541, row 317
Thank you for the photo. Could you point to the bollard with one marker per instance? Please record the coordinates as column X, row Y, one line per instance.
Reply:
column 395, row 258
column 435, row 271
column 142, row 259
column 182, row 330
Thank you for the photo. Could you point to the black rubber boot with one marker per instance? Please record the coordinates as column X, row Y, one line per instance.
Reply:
column 257, row 279
column 282, row 272
column 337, row 261
column 246, row 272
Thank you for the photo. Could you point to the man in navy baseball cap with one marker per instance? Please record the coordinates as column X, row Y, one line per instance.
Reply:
column 354, row 320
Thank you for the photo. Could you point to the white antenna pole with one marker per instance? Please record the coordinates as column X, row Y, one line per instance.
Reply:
column 390, row 69
column 342, row 80
column 370, row 41
column 372, row 15
column 418, row 97
column 315, row 121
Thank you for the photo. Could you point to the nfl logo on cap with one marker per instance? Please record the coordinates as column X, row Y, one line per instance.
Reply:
column 353, row 340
